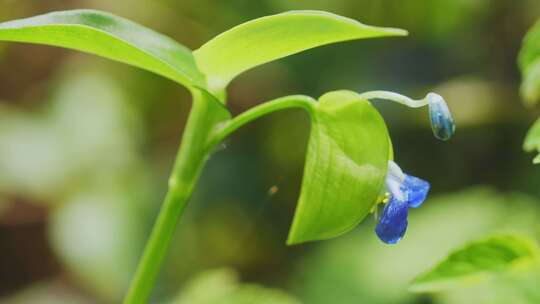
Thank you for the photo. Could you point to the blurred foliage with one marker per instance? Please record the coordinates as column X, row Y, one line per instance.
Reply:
column 479, row 261
column 49, row 292
column 532, row 141
column 529, row 63
column 222, row 286
column 112, row 238
column 357, row 264
column 501, row 269
column 95, row 154
column 41, row 152
column 86, row 148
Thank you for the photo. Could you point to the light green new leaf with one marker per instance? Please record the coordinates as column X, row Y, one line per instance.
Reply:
column 108, row 36
column 269, row 38
column 345, row 167
column 532, row 141
column 529, row 64
column 476, row 262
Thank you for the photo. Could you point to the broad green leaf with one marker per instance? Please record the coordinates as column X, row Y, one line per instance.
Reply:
column 111, row 37
column 345, row 167
column 476, row 262
column 272, row 37
column 529, row 64
column 532, row 141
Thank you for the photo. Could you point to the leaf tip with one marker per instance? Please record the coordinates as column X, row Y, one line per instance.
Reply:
column 296, row 236
column 291, row 241
column 397, row 31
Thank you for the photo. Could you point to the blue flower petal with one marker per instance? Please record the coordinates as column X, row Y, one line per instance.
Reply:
column 415, row 190
column 393, row 222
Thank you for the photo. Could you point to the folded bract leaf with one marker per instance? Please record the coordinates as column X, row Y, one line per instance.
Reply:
column 108, row 36
column 272, row 37
column 346, row 164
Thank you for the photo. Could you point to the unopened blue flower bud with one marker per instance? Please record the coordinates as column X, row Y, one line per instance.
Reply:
column 442, row 122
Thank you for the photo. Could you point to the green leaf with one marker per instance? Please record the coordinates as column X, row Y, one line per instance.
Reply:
column 345, row 167
column 269, row 38
column 111, row 37
column 477, row 262
column 529, row 64
column 532, row 141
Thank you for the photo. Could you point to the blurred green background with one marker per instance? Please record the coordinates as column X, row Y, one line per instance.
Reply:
column 86, row 146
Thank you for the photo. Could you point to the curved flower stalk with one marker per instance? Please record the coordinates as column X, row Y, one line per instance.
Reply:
column 442, row 123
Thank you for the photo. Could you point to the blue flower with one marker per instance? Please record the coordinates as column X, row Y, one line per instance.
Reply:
column 405, row 191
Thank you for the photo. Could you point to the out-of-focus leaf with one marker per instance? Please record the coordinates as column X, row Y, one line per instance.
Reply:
column 97, row 235
column 477, row 261
column 346, row 162
column 518, row 286
column 272, row 37
column 522, row 283
column 532, row 141
column 222, row 287
column 32, row 160
column 108, row 36
column 529, row 64
column 43, row 154
column 47, row 292
column 530, row 86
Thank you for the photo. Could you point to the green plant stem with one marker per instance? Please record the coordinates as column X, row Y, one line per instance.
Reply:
column 190, row 159
column 204, row 129
column 293, row 101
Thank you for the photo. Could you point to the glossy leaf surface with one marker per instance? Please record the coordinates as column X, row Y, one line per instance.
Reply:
column 108, row 36
column 272, row 37
column 476, row 262
column 345, row 167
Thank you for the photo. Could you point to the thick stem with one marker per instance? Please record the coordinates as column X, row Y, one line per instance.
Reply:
column 204, row 129
column 189, row 162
